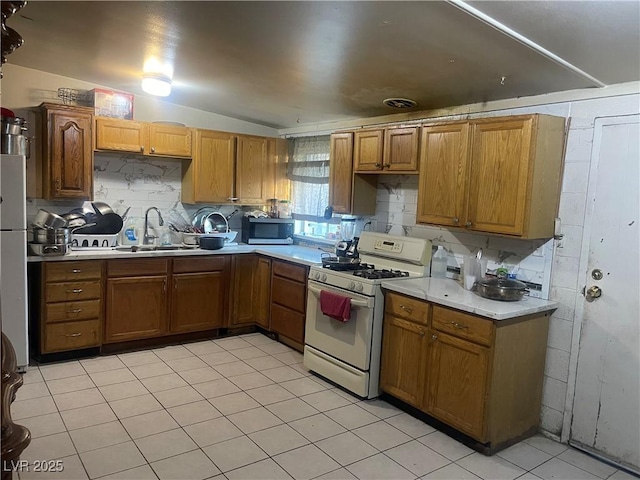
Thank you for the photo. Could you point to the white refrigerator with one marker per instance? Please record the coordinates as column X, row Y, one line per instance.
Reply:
column 13, row 255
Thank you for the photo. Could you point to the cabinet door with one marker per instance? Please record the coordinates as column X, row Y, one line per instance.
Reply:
column 198, row 301
column 209, row 177
column 443, row 174
column 367, row 150
column 262, row 282
column 458, row 380
column 401, row 150
column 404, row 360
column 169, row 140
column 341, row 172
column 499, row 174
column 70, row 156
column 121, row 135
column 136, row 308
column 252, row 182
column 244, row 296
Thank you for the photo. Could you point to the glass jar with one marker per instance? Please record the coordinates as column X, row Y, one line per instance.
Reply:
column 285, row 209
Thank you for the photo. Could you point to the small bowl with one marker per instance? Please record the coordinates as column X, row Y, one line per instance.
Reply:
column 191, row 238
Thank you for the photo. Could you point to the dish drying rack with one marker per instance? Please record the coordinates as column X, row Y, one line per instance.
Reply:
column 102, row 242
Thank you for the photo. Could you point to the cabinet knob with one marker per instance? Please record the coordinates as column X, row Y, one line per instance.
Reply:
column 76, row 270
column 434, row 337
column 142, row 148
column 378, row 165
column 456, row 220
column 153, row 149
column 75, row 310
column 422, row 333
column 75, row 290
column 57, row 185
column 459, row 325
column 468, row 224
column 386, row 165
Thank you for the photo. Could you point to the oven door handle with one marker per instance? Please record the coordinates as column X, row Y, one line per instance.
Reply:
column 354, row 302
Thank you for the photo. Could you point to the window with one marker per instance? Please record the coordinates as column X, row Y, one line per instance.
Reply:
column 309, row 174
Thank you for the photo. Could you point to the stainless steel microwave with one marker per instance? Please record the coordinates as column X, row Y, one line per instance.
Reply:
column 267, row 231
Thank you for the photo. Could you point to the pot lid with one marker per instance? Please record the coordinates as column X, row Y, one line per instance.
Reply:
column 507, row 283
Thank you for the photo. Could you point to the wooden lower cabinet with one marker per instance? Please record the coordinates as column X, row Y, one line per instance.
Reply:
column 70, row 306
column 136, row 308
column 198, row 302
column 251, row 286
column 479, row 376
column 289, row 300
column 404, row 348
column 458, row 378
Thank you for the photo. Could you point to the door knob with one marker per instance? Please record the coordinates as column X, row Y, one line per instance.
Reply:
column 592, row 293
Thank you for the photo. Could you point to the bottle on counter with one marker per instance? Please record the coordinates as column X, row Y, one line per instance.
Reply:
column 130, row 233
column 439, row 263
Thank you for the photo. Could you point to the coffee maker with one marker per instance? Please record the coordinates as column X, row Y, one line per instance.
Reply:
column 348, row 246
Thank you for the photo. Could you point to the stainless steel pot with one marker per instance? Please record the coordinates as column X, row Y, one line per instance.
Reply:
column 13, row 125
column 56, row 236
column 44, row 219
column 48, row 250
column 15, row 145
column 503, row 289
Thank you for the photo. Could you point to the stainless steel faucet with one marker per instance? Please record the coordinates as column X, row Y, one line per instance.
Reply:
column 149, row 239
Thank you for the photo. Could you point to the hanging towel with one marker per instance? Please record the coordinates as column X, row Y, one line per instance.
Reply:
column 335, row 306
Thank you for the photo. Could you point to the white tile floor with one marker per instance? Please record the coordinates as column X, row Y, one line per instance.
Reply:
column 246, row 408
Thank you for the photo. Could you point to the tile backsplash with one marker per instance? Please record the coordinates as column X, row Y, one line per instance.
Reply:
column 138, row 182
column 397, row 201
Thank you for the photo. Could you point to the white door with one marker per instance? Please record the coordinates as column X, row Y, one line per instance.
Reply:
column 606, row 408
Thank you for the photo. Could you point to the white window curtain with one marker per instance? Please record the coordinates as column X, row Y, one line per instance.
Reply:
column 309, row 174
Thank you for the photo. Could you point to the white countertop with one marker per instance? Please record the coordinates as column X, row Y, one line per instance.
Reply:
column 293, row 253
column 447, row 292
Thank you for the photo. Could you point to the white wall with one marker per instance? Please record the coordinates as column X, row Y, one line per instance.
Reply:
column 24, row 87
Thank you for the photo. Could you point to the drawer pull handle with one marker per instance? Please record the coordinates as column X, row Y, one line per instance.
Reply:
column 406, row 309
column 421, row 333
column 75, row 310
column 75, row 290
column 73, row 334
column 459, row 325
column 76, row 270
column 434, row 337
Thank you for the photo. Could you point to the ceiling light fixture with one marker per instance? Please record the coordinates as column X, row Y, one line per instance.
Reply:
column 156, row 84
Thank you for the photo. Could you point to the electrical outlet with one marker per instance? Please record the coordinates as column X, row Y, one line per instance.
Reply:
column 538, row 252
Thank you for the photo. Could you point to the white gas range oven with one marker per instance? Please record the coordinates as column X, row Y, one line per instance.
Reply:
column 348, row 353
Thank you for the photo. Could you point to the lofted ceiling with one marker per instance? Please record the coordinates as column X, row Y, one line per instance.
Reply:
column 287, row 64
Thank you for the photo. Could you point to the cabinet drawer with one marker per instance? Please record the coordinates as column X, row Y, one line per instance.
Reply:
column 199, row 264
column 288, row 323
column 462, row 325
column 137, row 267
column 65, row 271
column 71, row 336
column 406, row 307
column 287, row 270
column 66, row 311
column 288, row 293
column 72, row 291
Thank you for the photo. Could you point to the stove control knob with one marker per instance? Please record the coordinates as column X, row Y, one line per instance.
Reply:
column 316, row 276
column 359, row 287
column 324, row 277
column 352, row 285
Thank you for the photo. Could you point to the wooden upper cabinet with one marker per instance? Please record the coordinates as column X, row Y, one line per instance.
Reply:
column 118, row 135
column 67, row 160
column 504, row 179
column 341, row 172
column 368, row 150
column 278, row 157
column 209, row 177
column 121, row 135
column 443, row 174
column 401, row 150
column 169, row 140
column 254, row 184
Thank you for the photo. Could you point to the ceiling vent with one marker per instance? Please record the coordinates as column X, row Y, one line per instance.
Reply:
column 399, row 103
